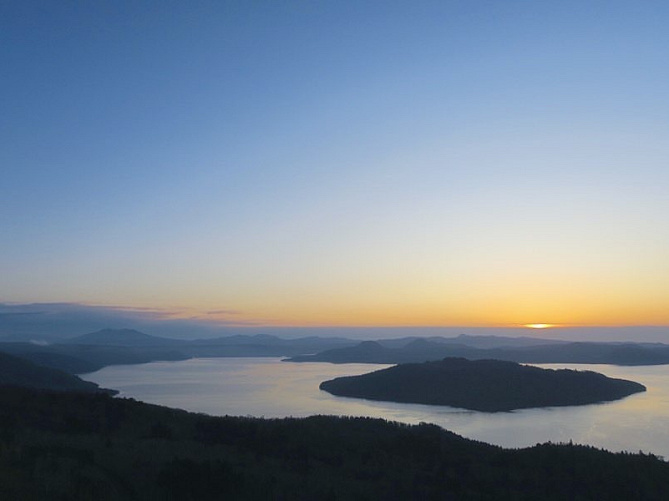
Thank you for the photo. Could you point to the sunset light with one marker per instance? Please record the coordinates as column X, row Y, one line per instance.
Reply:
column 243, row 209
column 464, row 166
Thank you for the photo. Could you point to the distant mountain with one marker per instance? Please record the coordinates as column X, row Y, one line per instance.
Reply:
column 15, row 371
column 240, row 345
column 261, row 345
column 90, row 352
column 498, row 341
column 122, row 337
column 473, row 341
column 366, row 352
column 417, row 350
column 421, row 350
column 483, row 385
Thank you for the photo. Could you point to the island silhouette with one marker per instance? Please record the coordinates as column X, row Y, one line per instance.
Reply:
column 482, row 385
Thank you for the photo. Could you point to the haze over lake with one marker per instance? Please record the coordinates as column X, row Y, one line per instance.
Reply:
column 271, row 388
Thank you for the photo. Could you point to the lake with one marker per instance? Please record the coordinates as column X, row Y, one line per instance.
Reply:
column 267, row 387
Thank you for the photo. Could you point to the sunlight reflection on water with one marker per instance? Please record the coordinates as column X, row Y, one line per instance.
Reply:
column 271, row 388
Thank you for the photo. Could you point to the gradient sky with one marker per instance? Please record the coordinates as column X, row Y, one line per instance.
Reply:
column 447, row 163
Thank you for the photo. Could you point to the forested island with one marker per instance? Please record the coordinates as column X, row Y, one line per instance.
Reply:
column 482, row 385
column 82, row 446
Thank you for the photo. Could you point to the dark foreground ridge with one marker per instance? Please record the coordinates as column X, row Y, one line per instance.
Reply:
column 77, row 446
column 482, row 385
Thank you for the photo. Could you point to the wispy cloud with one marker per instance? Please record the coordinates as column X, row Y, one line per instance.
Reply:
column 61, row 320
column 223, row 312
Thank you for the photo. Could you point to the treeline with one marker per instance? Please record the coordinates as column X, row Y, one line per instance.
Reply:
column 75, row 446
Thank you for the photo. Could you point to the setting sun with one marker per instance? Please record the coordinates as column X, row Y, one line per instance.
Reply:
column 539, row 326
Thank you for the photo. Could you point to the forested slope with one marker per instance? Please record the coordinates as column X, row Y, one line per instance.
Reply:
column 78, row 446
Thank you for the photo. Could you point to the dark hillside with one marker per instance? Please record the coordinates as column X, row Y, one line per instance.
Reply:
column 15, row 371
column 79, row 446
column 82, row 358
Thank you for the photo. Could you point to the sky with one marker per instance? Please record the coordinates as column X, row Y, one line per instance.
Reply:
column 476, row 164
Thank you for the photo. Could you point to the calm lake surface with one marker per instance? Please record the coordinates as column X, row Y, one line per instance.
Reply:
column 271, row 388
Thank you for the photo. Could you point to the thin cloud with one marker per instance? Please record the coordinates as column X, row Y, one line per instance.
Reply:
column 52, row 321
column 223, row 312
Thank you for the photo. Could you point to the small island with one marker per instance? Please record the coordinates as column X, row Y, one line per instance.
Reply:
column 482, row 385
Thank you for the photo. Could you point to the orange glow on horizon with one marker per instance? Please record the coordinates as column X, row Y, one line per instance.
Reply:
column 478, row 305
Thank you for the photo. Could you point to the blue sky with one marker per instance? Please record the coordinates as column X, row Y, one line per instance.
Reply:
column 339, row 163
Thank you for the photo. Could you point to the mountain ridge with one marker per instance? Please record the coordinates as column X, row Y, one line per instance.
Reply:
column 571, row 352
